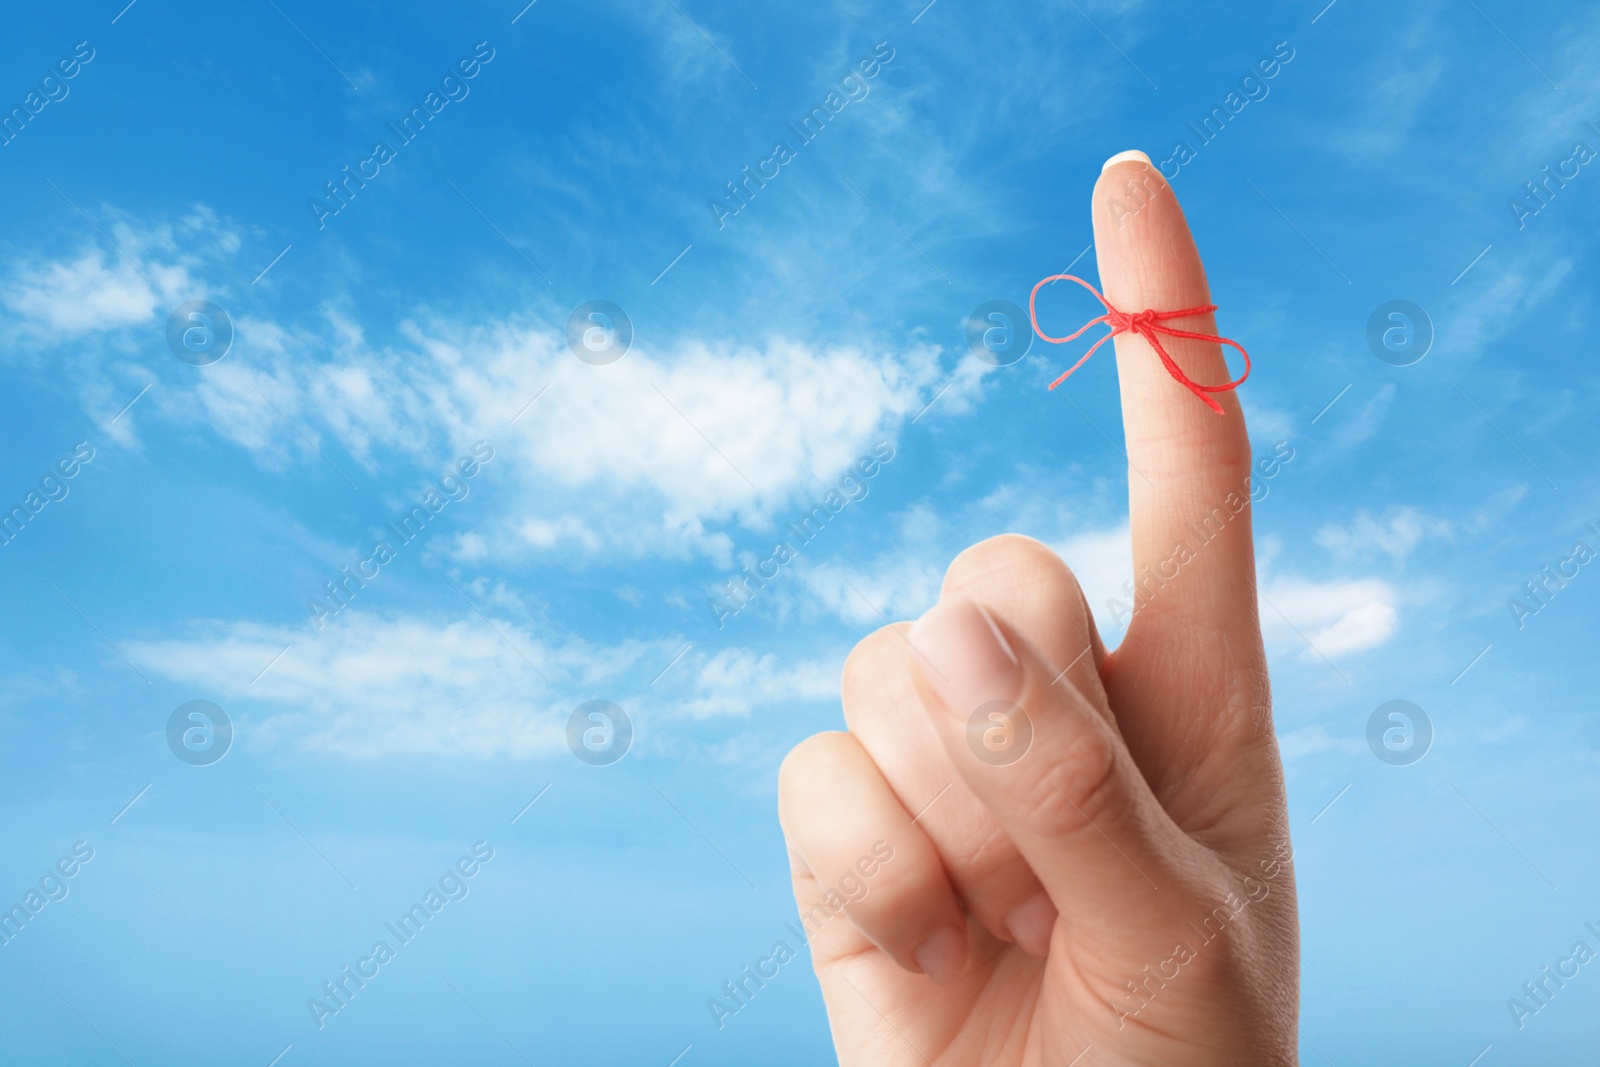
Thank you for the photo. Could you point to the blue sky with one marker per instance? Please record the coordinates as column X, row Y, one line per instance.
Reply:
column 772, row 350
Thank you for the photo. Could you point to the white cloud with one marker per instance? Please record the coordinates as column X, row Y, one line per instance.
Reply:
column 147, row 271
column 897, row 586
column 1509, row 727
column 1364, row 425
column 646, row 456
column 1337, row 617
column 1102, row 561
column 1494, row 302
column 95, row 291
column 369, row 686
column 735, row 681
column 904, row 583
column 1396, row 535
column 1309, row 740
column 1267, row 424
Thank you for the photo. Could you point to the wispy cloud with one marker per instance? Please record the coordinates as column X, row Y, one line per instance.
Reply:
column 646, row 455
column 1336, row 617
column 1395, row 534
column 1310, row 740
column 374, row 685
column 130, row 275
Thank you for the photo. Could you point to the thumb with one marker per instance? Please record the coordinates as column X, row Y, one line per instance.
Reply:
column 1048, row 764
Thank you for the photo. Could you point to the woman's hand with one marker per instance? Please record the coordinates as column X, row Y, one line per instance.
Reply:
column 1115, row 888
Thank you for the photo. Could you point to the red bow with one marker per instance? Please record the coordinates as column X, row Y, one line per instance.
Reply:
column 1147, row 324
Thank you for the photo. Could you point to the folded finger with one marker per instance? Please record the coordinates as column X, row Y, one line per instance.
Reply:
column 868, row 858
column 989, row 875
column 1049, row 765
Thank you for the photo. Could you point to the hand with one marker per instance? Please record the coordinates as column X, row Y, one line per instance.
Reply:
column 1122, row 893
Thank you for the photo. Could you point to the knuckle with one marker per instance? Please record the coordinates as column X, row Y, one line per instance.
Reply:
column 996, row 556
column 1013, row 561
column 898, row 897
column 983, row 850
column 808, row 767
column 1081, row 789
column 872, row 660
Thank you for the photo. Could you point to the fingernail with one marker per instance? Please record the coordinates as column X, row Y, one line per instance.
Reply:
column 943, row 955
column 1125, row 157
column 1031, row 924
column 964, row 657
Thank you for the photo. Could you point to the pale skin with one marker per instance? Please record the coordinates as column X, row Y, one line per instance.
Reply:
column 1123, row 893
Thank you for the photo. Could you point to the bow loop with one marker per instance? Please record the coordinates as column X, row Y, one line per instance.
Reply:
column 1146, row 324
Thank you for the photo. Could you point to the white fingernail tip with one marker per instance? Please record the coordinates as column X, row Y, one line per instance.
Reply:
column 1124, row 157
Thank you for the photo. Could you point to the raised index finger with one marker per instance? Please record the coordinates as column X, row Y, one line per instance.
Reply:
column 1189, row 495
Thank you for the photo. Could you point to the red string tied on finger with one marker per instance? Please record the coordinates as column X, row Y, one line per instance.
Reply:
column 1147, row 324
